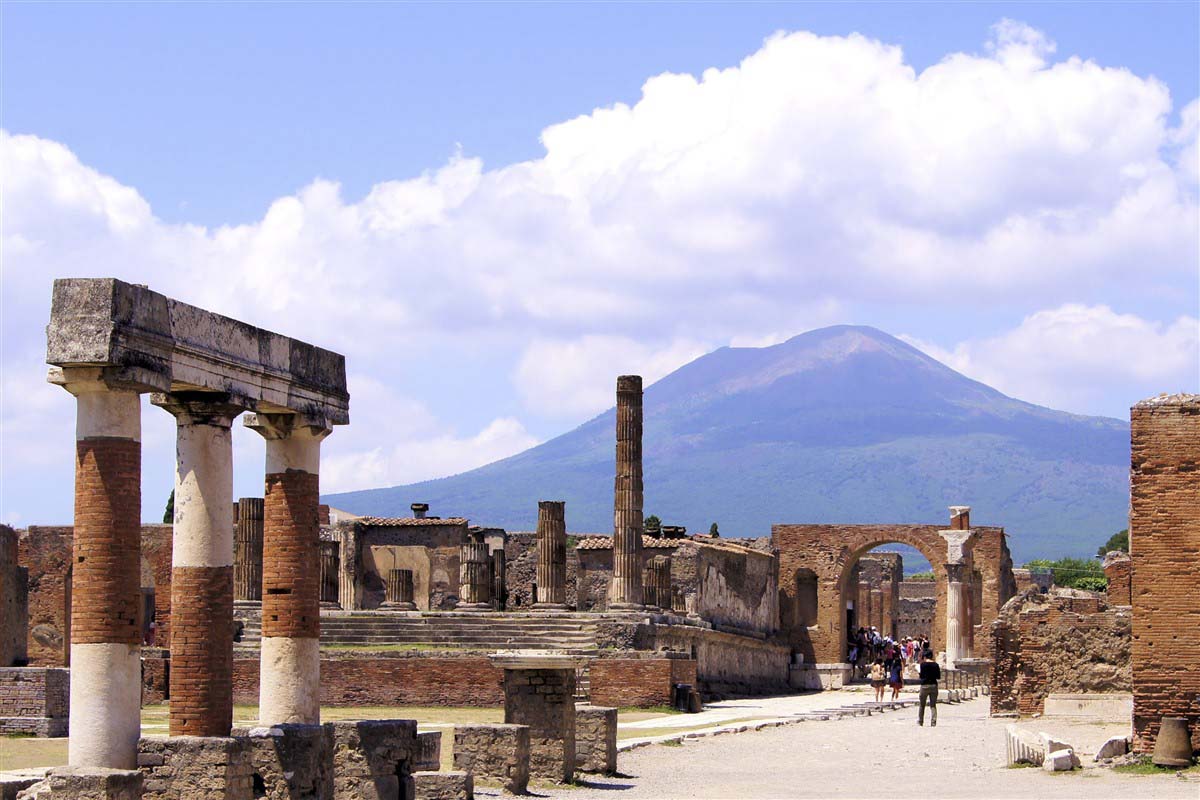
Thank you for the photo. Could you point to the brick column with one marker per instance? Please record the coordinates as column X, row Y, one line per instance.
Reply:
column 475, row 575
column 247, row 551
column 289, row 676
column 625, row 591
column 106, row 631
column 552, row 555
column 201, row 566
column 399, row 590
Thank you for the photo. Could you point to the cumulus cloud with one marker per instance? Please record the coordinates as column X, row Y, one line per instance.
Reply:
column 744, row 203
column 1077, row 357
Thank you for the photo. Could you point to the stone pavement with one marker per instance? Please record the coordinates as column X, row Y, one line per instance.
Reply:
column 883, row 755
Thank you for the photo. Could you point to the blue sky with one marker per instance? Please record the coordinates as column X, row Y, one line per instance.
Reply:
column 488, row 207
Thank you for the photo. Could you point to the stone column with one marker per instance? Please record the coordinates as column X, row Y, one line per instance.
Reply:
column 106, row 631
column 289, row 676
column 398, row 591
column 955, row 613
column 887, row 594
column 959, row 541
column 247, row 551
column 499, row 587
column 877, row 610
column 625, row 591
column 329, row 573
column 657, row 582
column 552, row 556
column 201, row 565
column 475, row 575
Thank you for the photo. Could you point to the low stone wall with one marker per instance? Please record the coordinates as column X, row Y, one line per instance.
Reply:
column 419, row 679
column 1062, row 642
column 595, row 739
column 291, row 760
column 196, row 768
column 494, row 752
column 638, row 681
column 442, row 786
column 727, row 664
column 34, row 701
column 373, row 758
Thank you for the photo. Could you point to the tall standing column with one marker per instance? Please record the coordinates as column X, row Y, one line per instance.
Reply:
column 625, row 592
column 959, row 542
column 955, row 613
column 247, row 551
column 656, row 583
column 201, row 566
column 290, row 672
column 552, row 555
column 106, row 631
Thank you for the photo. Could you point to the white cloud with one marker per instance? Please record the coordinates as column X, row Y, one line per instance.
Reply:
column 820, row 172
column 1078, row 357
column 578, row 378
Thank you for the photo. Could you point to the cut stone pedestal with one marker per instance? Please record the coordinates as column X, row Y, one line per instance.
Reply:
column 428, row 757
column 86, row 783
column 291, row 760
column 595, row 739
column 494, row 752
column 34, row 701
column 372, row 758
column 539, row 691
column 442, row 786
column 196, row 768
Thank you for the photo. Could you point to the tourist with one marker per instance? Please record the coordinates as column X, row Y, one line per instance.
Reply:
column 896, row 675
column 931, row 673
column 878, row 676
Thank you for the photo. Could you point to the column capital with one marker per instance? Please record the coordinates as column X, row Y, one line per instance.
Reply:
column 272, row 426
column 86, row 380
column 199, row 408
column 958, row 544
column 956, row 571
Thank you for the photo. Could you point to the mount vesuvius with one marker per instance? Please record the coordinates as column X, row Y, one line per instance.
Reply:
column 841, row 424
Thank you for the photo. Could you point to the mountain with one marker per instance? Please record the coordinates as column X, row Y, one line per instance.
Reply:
column 841, row 424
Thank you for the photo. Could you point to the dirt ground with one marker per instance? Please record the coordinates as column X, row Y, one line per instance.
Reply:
column 881, row 756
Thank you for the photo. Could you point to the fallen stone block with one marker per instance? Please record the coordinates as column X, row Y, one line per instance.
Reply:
column 86, row 783
column 428, row 757
column 13, row 782
column 1116, row 746
column 1060, row 761
column 1022, row 747
column 442, row 786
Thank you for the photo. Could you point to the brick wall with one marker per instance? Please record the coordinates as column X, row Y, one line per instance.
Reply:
column 379, row 680
column 1118, row 569
column 14, row 602
column 34, row 701
column 1164, row 543
column 637, row 682
column 1049, row 644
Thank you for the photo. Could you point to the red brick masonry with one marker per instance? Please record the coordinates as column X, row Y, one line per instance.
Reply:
column 291, row 560
column 106, row 581
column 202, row 651
column 1164, row 543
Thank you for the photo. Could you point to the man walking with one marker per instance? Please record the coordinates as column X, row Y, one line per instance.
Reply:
column 931, row 673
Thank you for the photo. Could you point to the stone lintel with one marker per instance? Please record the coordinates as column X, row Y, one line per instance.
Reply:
column 148, row 342
column 536, row 659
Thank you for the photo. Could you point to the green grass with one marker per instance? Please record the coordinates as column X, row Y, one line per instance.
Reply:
column 672, row 743
column 1146, row 767
column 629, row 711
column 1022, row 765
column 399, row 647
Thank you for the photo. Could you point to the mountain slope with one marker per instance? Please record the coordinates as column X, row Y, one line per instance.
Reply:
column 842, row 424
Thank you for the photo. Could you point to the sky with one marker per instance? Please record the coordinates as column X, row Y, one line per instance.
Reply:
column 493, row 209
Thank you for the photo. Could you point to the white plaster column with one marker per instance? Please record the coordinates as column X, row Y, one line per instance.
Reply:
column 290, row 670
column 955, row 614
column 106, row 685
column 202, row 565
column 959, row 541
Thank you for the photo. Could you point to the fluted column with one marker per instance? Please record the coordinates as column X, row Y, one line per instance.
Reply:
column 329, row 573
column 959, row 543
column 475, row 575
column 656, row 581
column 552, row 555
column 201, row 565
column 106, row 633
column 955, row 613
column 247, row 551
column 398, row 591
column 290, row 672
column 625, row 592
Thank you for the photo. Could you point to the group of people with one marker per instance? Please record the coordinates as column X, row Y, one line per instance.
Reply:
column 882, row 660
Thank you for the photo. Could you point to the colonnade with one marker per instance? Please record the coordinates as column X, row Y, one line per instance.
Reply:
column 105, row 610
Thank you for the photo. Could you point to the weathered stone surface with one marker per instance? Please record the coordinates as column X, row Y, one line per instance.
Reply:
column 428, row 757
column 1060, row 761
column 543, row 699
column 153, row 343
column 1022, row 747
column 291, row 761
column 34, row 701
column 1116, row 746
column 196, row 768
column 15, row 781
column 14, row 602
column 442, row 786
column 371, row 758
column 494, row 752
column 86, row 783
column 595, row 739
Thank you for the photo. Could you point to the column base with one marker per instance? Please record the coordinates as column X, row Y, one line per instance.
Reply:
column 398, row 607
column 549, row 607
column 331, row 606
column 627, row 607
column 473, row 607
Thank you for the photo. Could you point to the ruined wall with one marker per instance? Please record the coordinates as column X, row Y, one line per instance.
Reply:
column 430, row 548
column 520, row 556
column 14, row 602
column 727, row 664
column 637, row 682
column 1164, row 540
column 1118, row 569
column 593, row 568
column 1025, row 579
column 1063, row 642
column 734, row 586
column 915, row 617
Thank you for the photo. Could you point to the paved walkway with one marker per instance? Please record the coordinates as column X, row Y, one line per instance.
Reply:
column 881, row 756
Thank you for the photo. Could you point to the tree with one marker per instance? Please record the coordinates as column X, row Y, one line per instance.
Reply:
column 1072, row 573
column 169, row 514
column 1119, row 541
column 712, row 530
column 652, row 523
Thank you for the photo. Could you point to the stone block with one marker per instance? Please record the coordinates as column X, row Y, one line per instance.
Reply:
column 291, row 761
column 86, row 783
column 1107, row 707
column 1060, row 761
column 372, row 758
column 1116, row 746
column 1023, row 747
column 428, row 756
column 13, row 782
column 494, row 752
column 34, row 701
column 196, row 768
column 595, row 739
column 442, row 786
